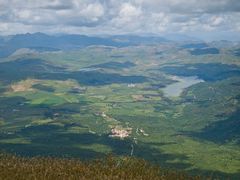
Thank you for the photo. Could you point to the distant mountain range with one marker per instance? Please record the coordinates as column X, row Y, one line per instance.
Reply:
column 43, row 42
column 40, row 42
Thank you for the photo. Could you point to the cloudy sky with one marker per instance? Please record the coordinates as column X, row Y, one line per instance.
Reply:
column 203, row 18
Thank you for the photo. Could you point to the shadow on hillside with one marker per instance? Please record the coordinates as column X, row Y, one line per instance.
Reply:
column 222, row 131
column 35, row 68
column 208, row 72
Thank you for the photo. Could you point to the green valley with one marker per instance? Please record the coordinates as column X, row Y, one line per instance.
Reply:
column 94, row 101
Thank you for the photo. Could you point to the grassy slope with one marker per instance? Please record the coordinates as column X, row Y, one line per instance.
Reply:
column 13, row 167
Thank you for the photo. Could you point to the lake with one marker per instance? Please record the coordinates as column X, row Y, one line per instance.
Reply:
column 175, row 89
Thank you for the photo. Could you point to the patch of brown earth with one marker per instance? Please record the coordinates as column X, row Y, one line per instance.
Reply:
column 138, row 97
column 23, row 85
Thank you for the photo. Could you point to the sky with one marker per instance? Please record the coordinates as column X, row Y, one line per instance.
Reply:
column 209, row 19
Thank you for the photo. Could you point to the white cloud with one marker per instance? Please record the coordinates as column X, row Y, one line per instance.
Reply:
column 93, row 11
column 129, row 11
column 25, row 14
column 126, row 16
column 217, row 20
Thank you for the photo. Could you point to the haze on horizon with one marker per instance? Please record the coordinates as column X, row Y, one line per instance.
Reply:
column 208, row 20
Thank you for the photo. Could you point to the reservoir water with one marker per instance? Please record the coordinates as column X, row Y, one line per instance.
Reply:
column 175, row 89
